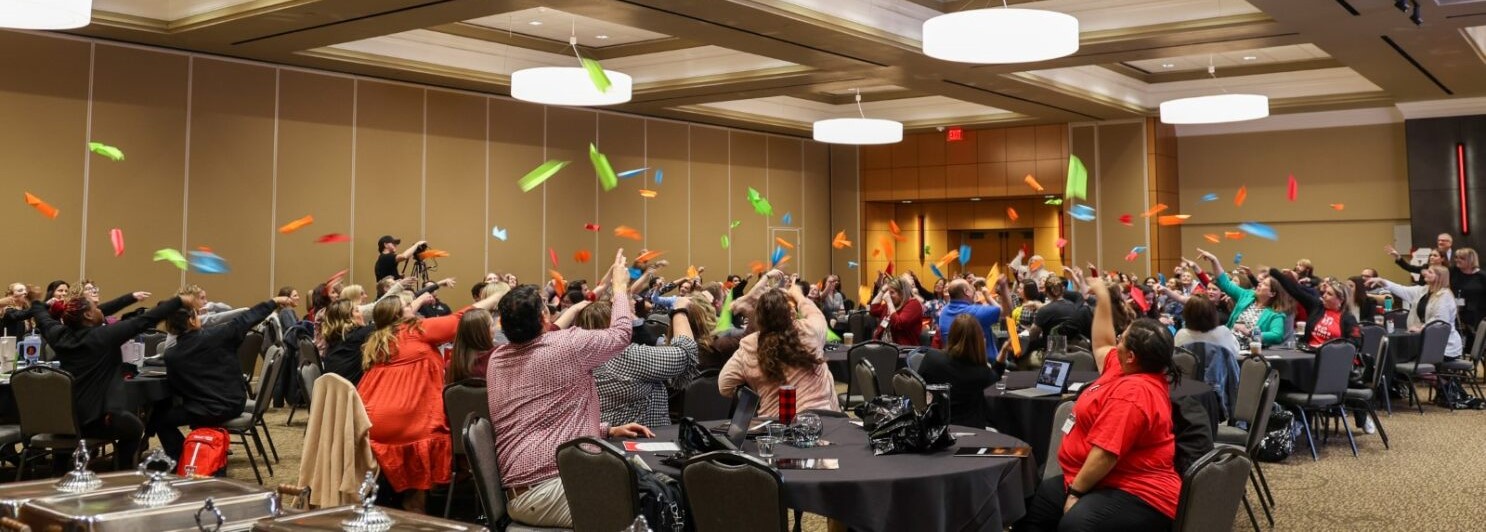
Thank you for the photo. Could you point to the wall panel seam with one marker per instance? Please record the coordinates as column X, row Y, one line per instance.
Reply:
column 355, row 124
column 186, row 187
column 82, row 266
column 273, row 199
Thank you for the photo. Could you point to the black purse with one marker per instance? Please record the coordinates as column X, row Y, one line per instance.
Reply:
column 910, row 432
column 693, row 439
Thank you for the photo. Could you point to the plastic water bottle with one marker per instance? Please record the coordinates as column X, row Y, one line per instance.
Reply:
column 31, row 349
column 1256, row 342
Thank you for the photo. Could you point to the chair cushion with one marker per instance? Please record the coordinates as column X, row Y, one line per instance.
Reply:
column 60, row 441
column 1407, row 368
column 516, row 527
column 239, row 424
column 1232, row 435
column 10, row 434
column 1305, row 399
column 1359, row 394
column 1457, row 364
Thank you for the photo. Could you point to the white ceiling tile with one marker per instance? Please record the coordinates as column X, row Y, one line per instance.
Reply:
column 164, row 9
column 558, row 26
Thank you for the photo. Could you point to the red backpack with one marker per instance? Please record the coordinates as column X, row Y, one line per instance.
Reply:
column 206, row 450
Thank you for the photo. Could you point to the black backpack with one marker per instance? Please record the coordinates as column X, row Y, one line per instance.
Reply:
column 661, row 501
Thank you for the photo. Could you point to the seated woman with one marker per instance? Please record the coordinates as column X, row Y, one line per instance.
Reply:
column 344, row 329
column 403, row 389
column 1329, row 314
column 900, row 315
column 1118, row 459
column 784, row 350
column 963, row 366
column 204, row 373
column 635, row 386
column 90, row 351
column 472, row 341
column 1431, row 302
column 713, row 351
column 16, row 319
column 1200, row 324
column 1265, row 308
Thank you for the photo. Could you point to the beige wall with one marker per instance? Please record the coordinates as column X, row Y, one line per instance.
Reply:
column 219, row 153
column 1362, row 167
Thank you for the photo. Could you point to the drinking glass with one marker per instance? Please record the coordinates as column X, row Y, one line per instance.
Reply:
column 1001, row 385
column 766, row 446
column 807, row 429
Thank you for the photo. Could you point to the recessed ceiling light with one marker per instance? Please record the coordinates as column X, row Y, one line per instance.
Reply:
column 1250, row 57
column 1168, row 65
column 535, row 23
column 601, row 36
column 907, row 201
column 974, row 199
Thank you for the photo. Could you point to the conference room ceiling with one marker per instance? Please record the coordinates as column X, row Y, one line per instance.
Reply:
column 778, row 65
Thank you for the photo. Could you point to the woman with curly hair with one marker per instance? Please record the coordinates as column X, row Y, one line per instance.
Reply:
column 785, row 350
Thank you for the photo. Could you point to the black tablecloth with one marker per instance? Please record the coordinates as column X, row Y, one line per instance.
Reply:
column 1031, row 418
column 935, row 491
column 1403, row 346
column 1297, row 368
column 836, row 362
column 139, row 393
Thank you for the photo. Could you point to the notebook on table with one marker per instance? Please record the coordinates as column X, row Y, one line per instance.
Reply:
column 1051, row 381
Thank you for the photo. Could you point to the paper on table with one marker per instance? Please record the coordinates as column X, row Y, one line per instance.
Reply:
column 651, row 446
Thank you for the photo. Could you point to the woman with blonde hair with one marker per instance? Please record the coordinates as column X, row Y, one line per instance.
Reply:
column 344, row 329
column 402, row 388
column 1329, row 312
column 353, row 293
column 900, row 315
column 1431, row 302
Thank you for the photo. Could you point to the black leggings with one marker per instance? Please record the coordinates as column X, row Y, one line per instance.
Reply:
column 165, row 423
column 1101, row 509
column 124, row 429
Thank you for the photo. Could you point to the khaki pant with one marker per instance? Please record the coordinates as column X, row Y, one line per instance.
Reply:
column 544, row 505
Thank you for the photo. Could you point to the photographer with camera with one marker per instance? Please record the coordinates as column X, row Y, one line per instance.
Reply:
column 389, row 258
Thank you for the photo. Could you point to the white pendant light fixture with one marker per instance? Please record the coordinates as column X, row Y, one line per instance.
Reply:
column 1214, row 108
column 45, row 14
column 574, row 86
column 860, row 131
column 997, row 36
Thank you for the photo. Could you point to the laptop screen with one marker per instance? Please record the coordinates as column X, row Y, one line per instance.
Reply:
column 1054, row 375
column 742, row 416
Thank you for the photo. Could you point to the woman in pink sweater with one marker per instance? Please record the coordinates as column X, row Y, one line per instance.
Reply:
column 786, row 350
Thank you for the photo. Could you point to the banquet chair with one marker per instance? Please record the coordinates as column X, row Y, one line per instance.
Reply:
column 1432, row 342
column 1333, row 366
column 1365, row 397
column 1467, row 368
column 1375, row 344
column 884, row 357
column 916, row 357
column 1077, row 359
column 1258, row 385
column 714, row 480
column 601, row 487
column 461, row 399
column 1055, row 442
column 477, row 435
column 908, row 383
column 860, row 325
column 307, row 375
column 864, row 373
column 247, row 355
column 1212, row 490
column 309, row 354
column 702, row 401
column 151, row 340
column 1185, row 361
column 1399, row 317
column 43, row 397
column 247, row 424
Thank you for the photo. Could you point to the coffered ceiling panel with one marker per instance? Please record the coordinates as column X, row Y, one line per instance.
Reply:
column 776, row 65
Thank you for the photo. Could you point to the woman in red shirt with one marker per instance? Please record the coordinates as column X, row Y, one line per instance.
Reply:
column 900, row 315
column 1119, row 452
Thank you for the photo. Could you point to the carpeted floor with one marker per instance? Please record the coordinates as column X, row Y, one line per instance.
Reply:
column 1432, row 478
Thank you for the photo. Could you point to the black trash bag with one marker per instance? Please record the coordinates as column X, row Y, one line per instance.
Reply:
column 880, row 409
column 693, row 439
column 911, row 432
column 1279, row 437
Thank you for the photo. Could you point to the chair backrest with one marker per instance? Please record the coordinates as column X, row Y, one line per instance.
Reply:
column 1250, row 388
column 908, row 383
column 713, row 483
column 43, row 396
column 151, row 341
column 601, row 487
column 1260, row 424
column 462, row 399
column 1480, row 340
column 703, row 402
column 247, row 352
column 1212, row 490
column 308, row 373
column 1055, row 441
column 916, row 357
column 884, row 357
column 657, row 328
column 860, row 325
column 1383, row 364
column 1399, row 317
column 1433, row 341
column 1077, row 359
column 866, row 374
column 478, row 436
column 1334, row 367
column 271, row 363
column 1185, row 361
column 309, row 354
column 1372, row 340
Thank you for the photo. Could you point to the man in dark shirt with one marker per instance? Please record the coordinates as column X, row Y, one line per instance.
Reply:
column 1070, row 318
column 389, row 258
column 203, row 371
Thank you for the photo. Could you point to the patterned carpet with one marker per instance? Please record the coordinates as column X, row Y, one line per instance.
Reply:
column 1432, row 478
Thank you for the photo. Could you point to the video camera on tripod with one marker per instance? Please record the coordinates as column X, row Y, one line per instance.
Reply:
column 420, row 266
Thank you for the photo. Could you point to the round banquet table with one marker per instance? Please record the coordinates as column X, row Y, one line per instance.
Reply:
column 1031, row 418
column 930, row 492
column 1403, row 346
column 139, row 393
column 836, row 362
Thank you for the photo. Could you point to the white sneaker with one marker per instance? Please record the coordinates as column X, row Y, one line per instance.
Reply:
column 1369, row 427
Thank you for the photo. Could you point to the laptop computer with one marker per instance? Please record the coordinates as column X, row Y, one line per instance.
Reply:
column 742, row 417
column 1051, row 381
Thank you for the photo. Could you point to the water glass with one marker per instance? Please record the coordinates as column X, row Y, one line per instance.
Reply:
column 1001, row 385
column 766, row 446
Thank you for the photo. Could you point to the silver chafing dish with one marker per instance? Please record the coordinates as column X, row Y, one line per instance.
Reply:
column 162, row 502
column 79, row 480
column 363, row 517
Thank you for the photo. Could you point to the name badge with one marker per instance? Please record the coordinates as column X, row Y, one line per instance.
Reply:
column 1068, row 424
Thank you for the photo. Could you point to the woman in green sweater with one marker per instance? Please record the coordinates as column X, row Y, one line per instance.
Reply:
column 1266, row 307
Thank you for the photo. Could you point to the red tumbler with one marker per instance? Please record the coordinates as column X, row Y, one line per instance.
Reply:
column 787, row 404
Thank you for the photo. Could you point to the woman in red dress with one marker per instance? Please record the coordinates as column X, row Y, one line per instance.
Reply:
column 403, row 392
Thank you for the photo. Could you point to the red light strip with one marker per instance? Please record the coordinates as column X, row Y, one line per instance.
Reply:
column 1465, row 226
